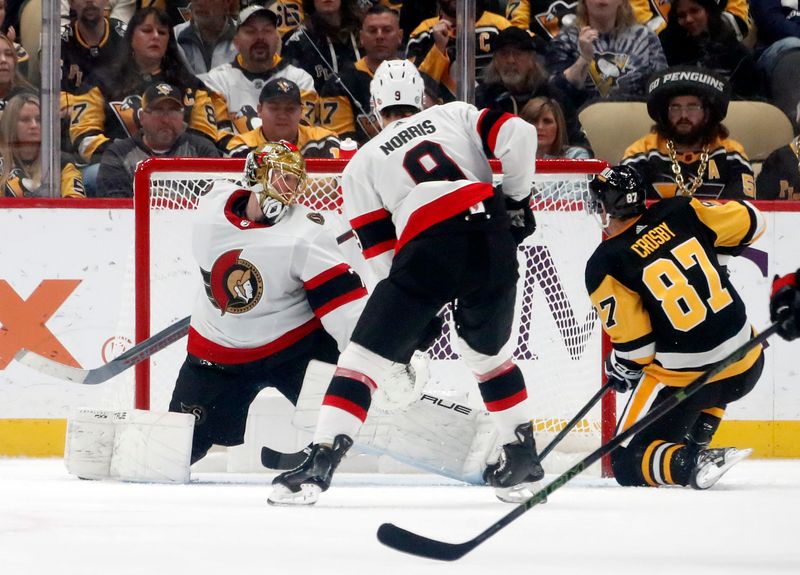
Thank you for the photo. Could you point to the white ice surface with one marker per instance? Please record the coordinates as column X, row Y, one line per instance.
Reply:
column 53, row 523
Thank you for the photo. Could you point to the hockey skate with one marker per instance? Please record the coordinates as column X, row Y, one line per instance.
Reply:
column 303, row 484
column 518, row 470
column 711, row 464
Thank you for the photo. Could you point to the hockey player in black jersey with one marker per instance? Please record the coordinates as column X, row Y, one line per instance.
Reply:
column 434, row 230
column 671, row 313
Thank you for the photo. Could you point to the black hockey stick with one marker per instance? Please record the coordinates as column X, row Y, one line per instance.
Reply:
column 574, row 421
column 408, row 542
column 134, row 355
column 273, row 459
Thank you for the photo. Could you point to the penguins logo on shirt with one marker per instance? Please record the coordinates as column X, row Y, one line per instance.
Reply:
column 607, row 69
column 234, row 284
column 127, row 112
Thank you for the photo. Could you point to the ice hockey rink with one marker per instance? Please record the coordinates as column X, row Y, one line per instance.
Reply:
column 54, row 523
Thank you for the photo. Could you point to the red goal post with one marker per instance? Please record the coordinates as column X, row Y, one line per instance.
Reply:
column 559, row 339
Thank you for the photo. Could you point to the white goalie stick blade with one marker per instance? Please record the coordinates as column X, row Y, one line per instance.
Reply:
column 136, row 354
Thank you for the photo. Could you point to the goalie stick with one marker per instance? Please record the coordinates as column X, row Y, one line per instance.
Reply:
column 134, row 355
column 403, row 540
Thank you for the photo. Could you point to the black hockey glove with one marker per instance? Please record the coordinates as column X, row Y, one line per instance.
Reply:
column 620, row 376
column 432, row 332
column 523, row 223
column 784, row 305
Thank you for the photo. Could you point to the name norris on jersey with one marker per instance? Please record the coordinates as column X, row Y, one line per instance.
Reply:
column 403, row 136
column 651, row 241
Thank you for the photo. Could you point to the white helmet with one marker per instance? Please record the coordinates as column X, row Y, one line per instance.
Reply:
column 396, row 83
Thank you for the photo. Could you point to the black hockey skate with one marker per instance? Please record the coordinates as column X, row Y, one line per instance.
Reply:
column 518, row 469
column 711, row 464
column 303, row 484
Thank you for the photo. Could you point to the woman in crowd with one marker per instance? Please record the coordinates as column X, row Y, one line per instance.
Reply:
column 20, row 147
column 12, row 81
column 551, row 129
column 325, row 41
column 108, row 108
column 605, row 54
column 697, row 35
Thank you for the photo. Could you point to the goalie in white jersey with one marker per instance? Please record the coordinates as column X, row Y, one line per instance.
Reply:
column 278, row 294
column 419, row 196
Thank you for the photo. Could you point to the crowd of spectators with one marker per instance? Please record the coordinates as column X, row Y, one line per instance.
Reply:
column 243, row 72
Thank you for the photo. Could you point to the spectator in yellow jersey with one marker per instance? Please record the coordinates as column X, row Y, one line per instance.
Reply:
column 20, row 152
column 431, row 46
column 688, row 152
column 280, row 110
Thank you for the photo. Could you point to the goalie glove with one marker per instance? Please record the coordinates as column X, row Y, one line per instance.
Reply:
column 784, row 305
column 620, row 375
column 523, row 223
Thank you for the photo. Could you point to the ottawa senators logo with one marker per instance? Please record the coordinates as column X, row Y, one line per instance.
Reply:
column 233, row 285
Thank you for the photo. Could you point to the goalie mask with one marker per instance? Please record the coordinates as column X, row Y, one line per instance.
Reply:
column 396, row 83
column 277, row 175
column 616, row 192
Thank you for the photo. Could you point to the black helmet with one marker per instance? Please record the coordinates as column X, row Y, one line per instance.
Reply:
column 619, row 190
column 713, row 90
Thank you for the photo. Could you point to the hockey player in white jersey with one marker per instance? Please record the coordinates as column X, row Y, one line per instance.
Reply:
column 420, row 198
column 278, row 294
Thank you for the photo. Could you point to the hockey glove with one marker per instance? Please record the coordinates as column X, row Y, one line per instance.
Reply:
column 619, row 375
column 784, row 305
column 523, row 223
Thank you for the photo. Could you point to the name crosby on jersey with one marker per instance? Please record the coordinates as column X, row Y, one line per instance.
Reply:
column 408, row 134
column 652, row 240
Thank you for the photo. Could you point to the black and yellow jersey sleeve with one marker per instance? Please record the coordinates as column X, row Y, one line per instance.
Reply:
column 71, row 181
column 734, row 224
column 654, row 14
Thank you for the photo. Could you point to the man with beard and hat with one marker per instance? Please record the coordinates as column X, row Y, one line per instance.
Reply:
column 689, row 152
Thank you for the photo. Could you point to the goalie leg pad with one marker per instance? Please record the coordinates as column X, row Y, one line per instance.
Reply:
column 89, row 443
column 152, row 447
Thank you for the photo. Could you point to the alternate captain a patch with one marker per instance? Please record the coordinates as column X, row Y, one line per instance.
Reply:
column 233, row 285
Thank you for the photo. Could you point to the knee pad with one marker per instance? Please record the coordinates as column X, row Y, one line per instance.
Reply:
column 361, row 360
column 481, row 364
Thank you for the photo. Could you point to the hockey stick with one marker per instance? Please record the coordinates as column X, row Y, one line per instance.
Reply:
column 136, row 354
column 409, row 542
column 574, row 421
column 273, row 459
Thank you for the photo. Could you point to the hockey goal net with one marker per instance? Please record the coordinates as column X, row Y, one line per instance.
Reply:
column 558, row 338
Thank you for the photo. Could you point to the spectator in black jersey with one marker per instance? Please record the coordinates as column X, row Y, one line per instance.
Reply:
column 326, row 41
column 344, row 99
column 515, row 75
column 779, row 178
column 107, row 107
column 689, row 152
column 11, row 81
column 206, row 41
column 20, row 152
column 698, row 35
column 163, row 135
column 91, row 40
